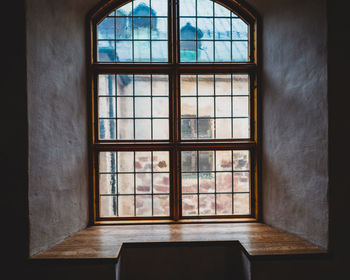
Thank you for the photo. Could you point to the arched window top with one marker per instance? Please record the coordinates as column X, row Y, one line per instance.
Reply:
column 139, row 31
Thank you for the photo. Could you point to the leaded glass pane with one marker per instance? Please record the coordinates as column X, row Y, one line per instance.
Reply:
column 210, row 32
column 215, row 106
column 130, row 34
column 135, row 183
column 133, row 107
column 214, row 183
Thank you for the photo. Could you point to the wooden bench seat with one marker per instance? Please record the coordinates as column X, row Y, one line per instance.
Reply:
column 105, row 242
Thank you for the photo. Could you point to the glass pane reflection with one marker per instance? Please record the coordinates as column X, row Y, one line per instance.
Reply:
column 204, row 25
column 131, row 33
column 133, row 107
column 134, row 183
column 215, row 182
column 215, row 106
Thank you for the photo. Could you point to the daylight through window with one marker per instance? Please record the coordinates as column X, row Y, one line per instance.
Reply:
column 174, row 110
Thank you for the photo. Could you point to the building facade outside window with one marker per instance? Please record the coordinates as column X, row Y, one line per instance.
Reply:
column 174, row 111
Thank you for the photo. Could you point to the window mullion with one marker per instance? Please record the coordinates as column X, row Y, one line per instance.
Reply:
column 176, row 183
column 156, row 68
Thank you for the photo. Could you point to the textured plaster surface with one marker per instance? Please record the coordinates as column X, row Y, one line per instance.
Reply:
column 295, row 117
column 57, row 116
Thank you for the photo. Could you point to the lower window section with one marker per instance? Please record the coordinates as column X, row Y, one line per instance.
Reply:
column 134, row 184
column 215, row 183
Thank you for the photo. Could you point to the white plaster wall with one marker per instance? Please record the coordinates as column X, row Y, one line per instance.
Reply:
column 57, row 116
column 295, row 116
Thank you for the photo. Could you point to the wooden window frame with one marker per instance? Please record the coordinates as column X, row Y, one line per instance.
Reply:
column 175, row 145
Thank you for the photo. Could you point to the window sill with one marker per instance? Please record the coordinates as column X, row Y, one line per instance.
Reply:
column 194, row 220
column 105, row 242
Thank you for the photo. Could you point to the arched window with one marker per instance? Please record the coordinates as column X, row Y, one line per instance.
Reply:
column 174, row 110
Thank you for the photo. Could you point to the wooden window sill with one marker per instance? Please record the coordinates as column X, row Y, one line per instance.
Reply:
column 104, row 242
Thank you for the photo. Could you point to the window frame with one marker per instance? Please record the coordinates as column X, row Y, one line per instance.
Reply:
column 174, row 68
